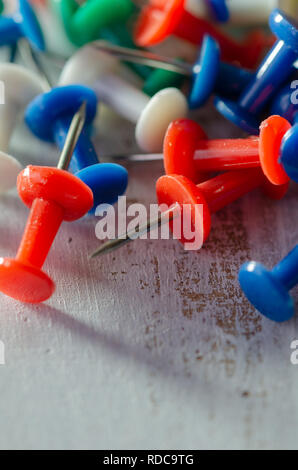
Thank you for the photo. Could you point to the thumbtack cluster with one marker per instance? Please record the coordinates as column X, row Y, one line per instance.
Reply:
column 105, row 56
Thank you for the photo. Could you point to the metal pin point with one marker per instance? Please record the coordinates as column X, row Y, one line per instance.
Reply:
column 72, row 137
column 111, row 245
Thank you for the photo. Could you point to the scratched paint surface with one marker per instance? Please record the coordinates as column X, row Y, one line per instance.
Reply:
column 151, row 346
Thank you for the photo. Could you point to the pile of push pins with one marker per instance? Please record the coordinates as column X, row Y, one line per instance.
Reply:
column 102, row 47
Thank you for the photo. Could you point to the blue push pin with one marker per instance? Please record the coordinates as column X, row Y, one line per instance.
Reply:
column 268, row 290
column 22, row 24
column 219, row 10
column 275, row 69
column 210, row 75
column 48, row 117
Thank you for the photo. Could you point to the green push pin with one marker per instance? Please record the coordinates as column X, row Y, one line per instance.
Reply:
column 83, row 22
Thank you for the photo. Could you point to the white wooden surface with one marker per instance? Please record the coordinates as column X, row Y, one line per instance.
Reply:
column 150, row 347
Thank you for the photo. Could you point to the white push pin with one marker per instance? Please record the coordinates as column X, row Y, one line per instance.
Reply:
column 245, row 12
column 20, row 86
column 152, row 115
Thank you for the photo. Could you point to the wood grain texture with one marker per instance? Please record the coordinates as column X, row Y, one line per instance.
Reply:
column 150, row 347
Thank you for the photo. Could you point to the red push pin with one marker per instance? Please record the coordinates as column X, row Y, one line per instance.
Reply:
column 179, row 192
column 188, row 152
column 53, row 195
column 160, row 18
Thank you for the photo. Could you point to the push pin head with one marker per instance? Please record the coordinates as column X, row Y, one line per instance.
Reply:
column 153, row 121
column 30, row 26
column 84, row 22
column 157, row 21
column 23, row 24
column 107, row 181
column 180, row 191
column 266, row 294
column 272, row 133
column 205, row 73
column 48, row 108
column 181, row 141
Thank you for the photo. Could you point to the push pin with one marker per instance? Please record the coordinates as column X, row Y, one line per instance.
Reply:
column 274, row 70
column 268, row 291
column 158, row 20
column 53, row 195
column 176, row 191
column 188, row 152
column 84, row 22
column 20, row 87
column 151, row 115
column 209, row 75
column 48, row 117
column 22, row 24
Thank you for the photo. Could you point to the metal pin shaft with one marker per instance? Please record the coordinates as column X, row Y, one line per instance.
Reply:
column 144, row 58
column 32, row 60
column 72, row 137
column 111, row 245
column 137, row 158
